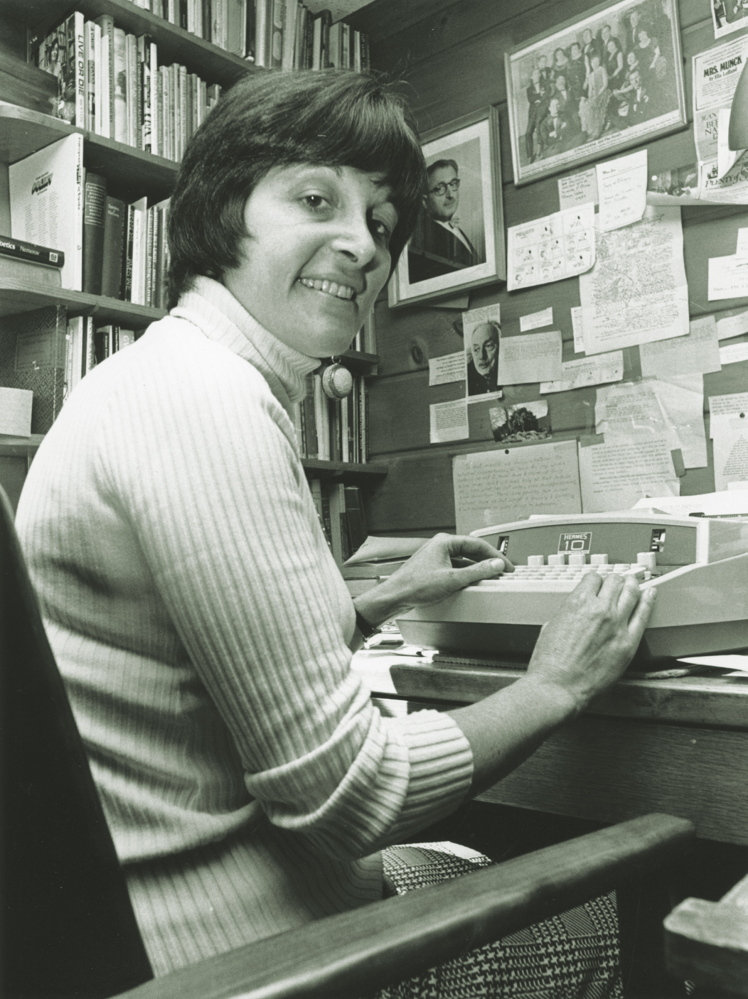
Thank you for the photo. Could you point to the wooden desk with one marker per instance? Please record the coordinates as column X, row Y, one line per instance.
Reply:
column 678, row 745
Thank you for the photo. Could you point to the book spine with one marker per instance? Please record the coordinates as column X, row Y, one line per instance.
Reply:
column 77, row 47
column 182, row 14
column 105, row 79
column 310, row 419
column 173, row 107
column 235, row 26
column 182, row 112
column 131, row 89
column 137, row 287
column 12, row 247
column 275, row 41
column 111, row 254
column 89, row 354
column 101, row 342
column 250, row 30
column 261, row 31
column 120, row 86
column 94, row 202
column 325, row 17
column 127, row 254
column 153, row 98
column 207, row 20
column 90, row 75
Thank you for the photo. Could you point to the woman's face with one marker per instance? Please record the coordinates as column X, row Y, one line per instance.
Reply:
column 316, row 255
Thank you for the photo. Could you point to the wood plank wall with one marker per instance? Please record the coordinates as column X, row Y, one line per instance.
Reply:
column 449, row 58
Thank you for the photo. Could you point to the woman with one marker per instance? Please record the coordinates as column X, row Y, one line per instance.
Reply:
column 202, row 627
column 593, row 107
column 614, row 65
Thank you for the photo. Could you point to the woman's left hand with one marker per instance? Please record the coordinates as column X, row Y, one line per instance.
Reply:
column 430, row 575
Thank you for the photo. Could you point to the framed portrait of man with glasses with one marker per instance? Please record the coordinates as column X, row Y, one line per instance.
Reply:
column 458, row 242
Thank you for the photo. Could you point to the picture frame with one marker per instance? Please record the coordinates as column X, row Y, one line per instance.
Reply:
column 441, row 259
column 632, row 92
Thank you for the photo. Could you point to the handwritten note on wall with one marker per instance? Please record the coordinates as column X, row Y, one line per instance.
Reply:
column 615, row 476
column 496, row 487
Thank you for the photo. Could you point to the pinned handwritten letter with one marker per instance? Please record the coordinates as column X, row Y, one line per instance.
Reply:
column 496, row 487
column 622, row 184
column 614, row 476
column 637, row 291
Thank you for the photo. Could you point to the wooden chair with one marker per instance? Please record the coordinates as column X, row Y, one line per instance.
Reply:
column 707, row 943
column 68, row 929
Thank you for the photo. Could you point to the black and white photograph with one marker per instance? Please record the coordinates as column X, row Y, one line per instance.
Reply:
column 458, row 241
column 595, row 86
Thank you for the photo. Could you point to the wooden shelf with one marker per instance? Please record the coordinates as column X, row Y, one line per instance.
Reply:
column 319, row 469
column 130, row 172
column 360, row 362
column 213, row 64
column 20, row 296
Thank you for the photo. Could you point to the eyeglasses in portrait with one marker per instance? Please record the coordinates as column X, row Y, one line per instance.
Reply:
column 458, row 242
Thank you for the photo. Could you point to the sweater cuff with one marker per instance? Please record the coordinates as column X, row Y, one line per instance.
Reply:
column 441, row 768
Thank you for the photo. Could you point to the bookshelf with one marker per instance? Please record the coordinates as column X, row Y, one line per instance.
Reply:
column 26, row 92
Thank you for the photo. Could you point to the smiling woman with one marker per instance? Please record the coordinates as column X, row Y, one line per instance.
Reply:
column 198, row 618
column 316, row 254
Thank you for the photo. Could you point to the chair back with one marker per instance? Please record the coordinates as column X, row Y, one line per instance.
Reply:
column 67, row 927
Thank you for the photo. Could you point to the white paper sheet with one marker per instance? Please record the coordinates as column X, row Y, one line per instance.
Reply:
column 15, row 411
column 730, row 451
column 448, row 421
column 654, row 408
column 448, row 368
column 697, row 352
column 506, row 484
column 535, row 357
column 614, row 476
column 551, row 248
column 637, row 291
column 741, row 244
column 536, row 320
column 585, row 371
column 578, row 189
column 622, row 185
column 734, row 325
column 733, row 353
column 577, row 330
column 728, row 278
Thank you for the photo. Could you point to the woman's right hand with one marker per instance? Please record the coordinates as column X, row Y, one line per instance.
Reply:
column 590, row 642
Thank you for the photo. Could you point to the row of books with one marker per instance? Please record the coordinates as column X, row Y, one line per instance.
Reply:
column 104, row 245
column 88, row 343
column 340, row 509
column 333, row 429
column 276, row 34
column 46, row 353
column 289, row 36
column 111, row 82
column 229, row 24
column 125, row 249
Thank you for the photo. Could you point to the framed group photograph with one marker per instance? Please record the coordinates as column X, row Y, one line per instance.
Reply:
column 592, row 86
column 459, row 239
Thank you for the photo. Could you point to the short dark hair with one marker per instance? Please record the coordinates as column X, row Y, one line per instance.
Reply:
column 266, row 120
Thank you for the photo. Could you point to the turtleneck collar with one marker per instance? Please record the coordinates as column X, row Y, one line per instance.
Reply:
column 214, row 310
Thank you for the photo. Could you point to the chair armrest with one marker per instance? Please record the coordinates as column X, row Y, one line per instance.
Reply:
column 707, row 942
column 359, row 952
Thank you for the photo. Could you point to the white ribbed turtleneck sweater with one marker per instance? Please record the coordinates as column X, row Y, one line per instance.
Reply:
column 201, row 626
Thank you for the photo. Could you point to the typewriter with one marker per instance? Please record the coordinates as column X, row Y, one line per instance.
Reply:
column 699, row 566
